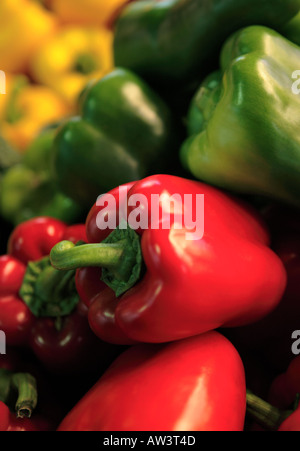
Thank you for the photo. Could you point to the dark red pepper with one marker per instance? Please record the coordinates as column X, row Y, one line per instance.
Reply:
column 282, row 413
column 39, row 306
column 286, row 386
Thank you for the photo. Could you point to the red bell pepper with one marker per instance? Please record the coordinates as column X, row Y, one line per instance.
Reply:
column 228, row 278
column 39, row 306
column 286, row 387
column 196, row 384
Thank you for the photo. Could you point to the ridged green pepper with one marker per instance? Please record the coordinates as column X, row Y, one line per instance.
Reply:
column 125, row 132
column 28, row 189
column 173, row 41
column 244, row 121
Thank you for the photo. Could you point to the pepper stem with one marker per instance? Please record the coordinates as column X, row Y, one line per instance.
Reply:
column 86, row 64
column 25, row 384
column 266, row 415
column 66, row 256
column 21, row 386
column 119, row 256
column 48, row 292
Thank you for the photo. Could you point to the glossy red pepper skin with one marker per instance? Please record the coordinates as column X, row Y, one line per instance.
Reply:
column 228, row 278
column 196, row 384
column 16, row 319
column 59, row 350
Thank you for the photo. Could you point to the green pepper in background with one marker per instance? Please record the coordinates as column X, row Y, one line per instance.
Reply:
column 125, row 133
column 292, row 30
column 244, row 121
column 8, row 156
column 176, row 41
column 28, row 189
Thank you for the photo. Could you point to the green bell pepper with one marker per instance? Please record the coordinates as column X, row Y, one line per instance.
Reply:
column 125, row 132
column 175, row 41
column 28, row 189
column 244, row 121
column 8, row 156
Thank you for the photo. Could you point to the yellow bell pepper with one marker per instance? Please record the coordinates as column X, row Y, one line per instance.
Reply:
column 25, row 109
column 24, row 25
column 72, row 58
column 86, row 12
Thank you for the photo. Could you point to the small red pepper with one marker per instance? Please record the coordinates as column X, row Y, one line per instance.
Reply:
column 196, row 384
column 228, row 278
column 39, row 306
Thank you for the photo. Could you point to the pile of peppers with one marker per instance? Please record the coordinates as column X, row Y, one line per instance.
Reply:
column 175, row 315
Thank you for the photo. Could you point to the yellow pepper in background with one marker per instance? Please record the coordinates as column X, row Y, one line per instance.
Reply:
column 24, row 25
column 71, row 58
column 25, row 109
column 86, row 12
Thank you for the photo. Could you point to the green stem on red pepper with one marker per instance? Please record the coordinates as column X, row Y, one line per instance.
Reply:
column 19, row 389
column 266, row 415
column 48, row 292
column 119, row 256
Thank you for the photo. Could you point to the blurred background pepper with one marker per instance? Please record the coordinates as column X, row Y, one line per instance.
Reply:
column 26, row 109
column 86, row 12
column 72, row 57
column 24, row 25
column 124, row 132
column 29, row 189
column 177, row 41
